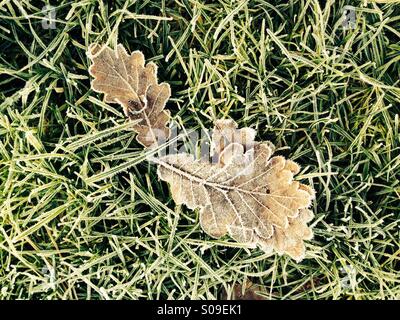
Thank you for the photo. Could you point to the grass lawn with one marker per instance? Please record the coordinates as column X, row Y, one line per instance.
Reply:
column 83, row 214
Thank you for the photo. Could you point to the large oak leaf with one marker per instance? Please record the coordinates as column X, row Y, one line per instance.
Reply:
column 247, row 193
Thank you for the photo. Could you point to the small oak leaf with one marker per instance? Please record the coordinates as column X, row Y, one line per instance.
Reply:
column 249, row 291
column 125, row 79
column 247, row 194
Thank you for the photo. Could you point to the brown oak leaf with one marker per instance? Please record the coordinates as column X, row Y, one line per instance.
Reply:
column 125, row 79
column 247, row 194
column 249, row 291
column 290, row 240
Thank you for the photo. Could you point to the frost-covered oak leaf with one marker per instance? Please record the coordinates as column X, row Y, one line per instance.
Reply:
column 247, row 194
column 290, row 240
column 125, row 79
